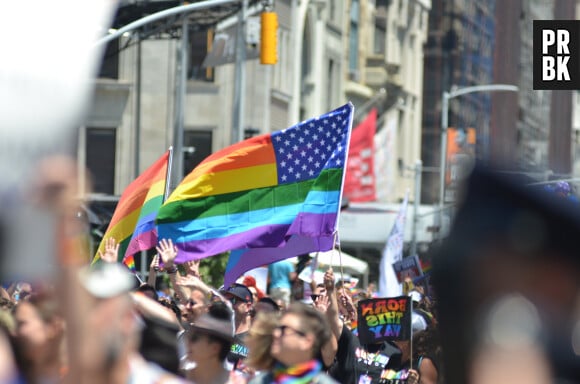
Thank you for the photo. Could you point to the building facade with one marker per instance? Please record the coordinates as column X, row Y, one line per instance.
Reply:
column 534, row 120
column 329, row 52
column 458, row 53
column 491, row 42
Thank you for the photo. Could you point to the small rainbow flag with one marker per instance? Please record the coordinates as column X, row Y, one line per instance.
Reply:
column 133, row 222
column 263, row 191
column 129, row 261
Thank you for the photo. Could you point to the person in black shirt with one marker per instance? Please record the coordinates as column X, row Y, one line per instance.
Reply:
column 242, row 301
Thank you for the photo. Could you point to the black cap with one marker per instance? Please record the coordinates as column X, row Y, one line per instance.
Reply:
column 240, row 291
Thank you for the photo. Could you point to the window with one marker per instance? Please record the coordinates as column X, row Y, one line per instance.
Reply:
column 332, row 11
column 353, row 38
column 110, row 64
column 332, row 85
column 197, row 145
column 200, row 43
column 335, row 12
column 380, row 35
column 100, row 158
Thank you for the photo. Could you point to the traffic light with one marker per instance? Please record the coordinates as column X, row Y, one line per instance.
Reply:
column 268, row 38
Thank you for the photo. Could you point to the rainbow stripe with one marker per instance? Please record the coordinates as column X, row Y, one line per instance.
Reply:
column 260, row 192
column 133, row 222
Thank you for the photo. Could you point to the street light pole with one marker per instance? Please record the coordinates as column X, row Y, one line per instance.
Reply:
column 442, row 165
column 240, row 76
column 444, row 125
column 416, row 203
column 162, row 15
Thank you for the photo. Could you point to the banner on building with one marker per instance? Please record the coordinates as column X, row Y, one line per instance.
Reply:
column 359, row 183
column 384, row 319
column 386, row 157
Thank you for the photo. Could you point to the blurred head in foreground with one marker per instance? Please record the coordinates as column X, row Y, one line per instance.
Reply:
column 507, row 282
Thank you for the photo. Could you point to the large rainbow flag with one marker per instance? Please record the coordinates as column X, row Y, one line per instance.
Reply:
column 133, row 222
column 263, row 191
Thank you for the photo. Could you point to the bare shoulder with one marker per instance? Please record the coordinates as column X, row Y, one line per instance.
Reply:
column 428, row 373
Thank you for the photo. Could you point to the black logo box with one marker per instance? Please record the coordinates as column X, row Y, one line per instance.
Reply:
column 573, row 27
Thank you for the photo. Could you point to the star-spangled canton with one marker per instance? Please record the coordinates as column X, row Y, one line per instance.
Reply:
column 304, row 150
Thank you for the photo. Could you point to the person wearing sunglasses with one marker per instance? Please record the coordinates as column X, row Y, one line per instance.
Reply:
column 209, row 342
column 297, row 341
column 318, row 291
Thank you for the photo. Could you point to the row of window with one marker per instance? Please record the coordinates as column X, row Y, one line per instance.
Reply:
column 200, row 43
column 101, row 144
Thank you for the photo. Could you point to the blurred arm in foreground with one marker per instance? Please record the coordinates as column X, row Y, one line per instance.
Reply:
column 507, row 286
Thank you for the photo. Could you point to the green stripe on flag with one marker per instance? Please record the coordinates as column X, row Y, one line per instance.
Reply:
column 246, row 201
column 151, row 206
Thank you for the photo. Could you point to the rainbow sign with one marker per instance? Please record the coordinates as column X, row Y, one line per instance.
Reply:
column 384, row 319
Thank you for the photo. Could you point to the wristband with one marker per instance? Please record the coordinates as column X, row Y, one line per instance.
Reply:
column 172, row 270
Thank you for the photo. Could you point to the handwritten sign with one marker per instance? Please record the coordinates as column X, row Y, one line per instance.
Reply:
column 408, row 267
column 384, row 319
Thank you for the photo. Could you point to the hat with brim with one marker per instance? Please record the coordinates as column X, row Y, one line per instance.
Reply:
column 240, row 291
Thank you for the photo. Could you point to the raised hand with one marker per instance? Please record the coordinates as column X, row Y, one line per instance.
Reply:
column 348, row 305
column 167, row 252
column 322, row 303
column 111, row 253
column 413, row 377
column 329, row 280
column 192, row 268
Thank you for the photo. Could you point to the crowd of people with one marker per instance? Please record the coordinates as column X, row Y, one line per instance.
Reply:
column 506, row 309
column 187, row 331
column 101, row 323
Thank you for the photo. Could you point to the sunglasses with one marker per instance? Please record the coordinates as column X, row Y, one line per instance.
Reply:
column 315, row 297
column 284, row 330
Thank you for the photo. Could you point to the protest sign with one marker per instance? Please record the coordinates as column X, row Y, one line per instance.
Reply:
column 384, row 319
column 408, row 267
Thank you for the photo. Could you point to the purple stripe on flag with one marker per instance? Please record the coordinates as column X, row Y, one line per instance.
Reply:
column 199, row 249
column 142, row 241
column 313, row 225
column 256, row 257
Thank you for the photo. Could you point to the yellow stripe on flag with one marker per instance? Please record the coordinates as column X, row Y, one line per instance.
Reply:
column 226, row 182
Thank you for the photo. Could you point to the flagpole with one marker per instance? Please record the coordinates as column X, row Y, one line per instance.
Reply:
column 165, row 195
column 168, row 174
column 411, row 338
column 345, row 161
column 339, row 256
column 336, row 240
